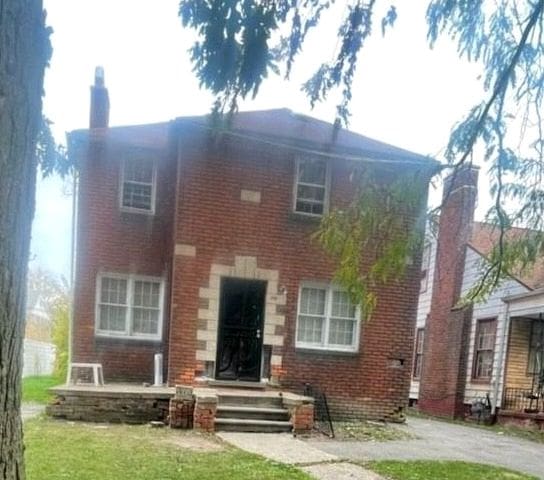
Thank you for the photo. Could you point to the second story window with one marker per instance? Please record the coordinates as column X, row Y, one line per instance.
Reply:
column 311, row 193
column 138, row 184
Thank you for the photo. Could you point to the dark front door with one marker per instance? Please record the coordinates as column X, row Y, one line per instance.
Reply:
column 241, row 318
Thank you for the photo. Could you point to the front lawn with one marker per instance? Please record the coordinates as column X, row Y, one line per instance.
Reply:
column 58, row 450
column 35, row 388
column 434, row 470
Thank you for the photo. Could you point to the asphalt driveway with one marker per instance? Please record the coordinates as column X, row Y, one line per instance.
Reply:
column 438, row 440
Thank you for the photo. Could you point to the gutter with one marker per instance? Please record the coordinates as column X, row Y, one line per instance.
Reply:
column 72, row 267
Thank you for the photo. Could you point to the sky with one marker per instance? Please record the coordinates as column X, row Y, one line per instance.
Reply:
column 404, row 93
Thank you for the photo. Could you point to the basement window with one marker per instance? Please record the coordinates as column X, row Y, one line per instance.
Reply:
column 138, row 185
column 327, row 319
column 129, row 306
column 311, row 186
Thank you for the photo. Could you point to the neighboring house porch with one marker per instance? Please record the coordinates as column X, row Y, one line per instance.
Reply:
column 523, row 397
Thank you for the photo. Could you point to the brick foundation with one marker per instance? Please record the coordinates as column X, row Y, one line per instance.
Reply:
column 533, row 421
column 132, row 409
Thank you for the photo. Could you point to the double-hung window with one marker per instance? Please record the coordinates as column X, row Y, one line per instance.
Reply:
column 484, row 349
column 425, row 264
column 129, row 306
column 311, row 188
column 418, row 355
column 138, row 185
column 327, row 319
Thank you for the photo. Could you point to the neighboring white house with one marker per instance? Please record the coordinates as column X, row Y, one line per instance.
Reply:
column 498, row 357
column 39, row 351
column 39, row 358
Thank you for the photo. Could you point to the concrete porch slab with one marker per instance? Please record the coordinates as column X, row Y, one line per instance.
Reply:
column 114, row 390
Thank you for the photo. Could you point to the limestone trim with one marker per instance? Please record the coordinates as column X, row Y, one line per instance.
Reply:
column 252, row 196
column 185, row 250
column 244, row 267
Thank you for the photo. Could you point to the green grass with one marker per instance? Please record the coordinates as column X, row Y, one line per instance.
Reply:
column 35, row 388
column 434, row 470
column 76, row 451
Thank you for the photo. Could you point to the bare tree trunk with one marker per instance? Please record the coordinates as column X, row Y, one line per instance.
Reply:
column 24, row 51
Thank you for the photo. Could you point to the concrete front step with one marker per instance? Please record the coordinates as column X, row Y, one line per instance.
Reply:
column 250, row 412
column 261, row 401
column 251, row 425
column 237, row 384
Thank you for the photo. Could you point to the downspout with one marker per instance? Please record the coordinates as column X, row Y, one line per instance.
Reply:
column 72, row 269
column 499, row 377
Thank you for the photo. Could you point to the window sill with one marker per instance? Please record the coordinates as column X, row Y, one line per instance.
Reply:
column 328, row 352
column 305, row 218
column 481, row 381
column 125, row 339
column 136, row 211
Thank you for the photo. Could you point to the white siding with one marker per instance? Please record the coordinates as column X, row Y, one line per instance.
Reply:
column 424, row 304
column 494, row 307
column 39, row 358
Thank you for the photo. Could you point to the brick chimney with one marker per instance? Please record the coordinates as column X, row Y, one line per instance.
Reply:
column 100, row 102
column 443, row 377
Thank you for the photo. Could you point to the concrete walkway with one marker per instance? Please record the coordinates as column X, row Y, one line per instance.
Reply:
column 438, row 440
column 31, row 410
column 284, row 448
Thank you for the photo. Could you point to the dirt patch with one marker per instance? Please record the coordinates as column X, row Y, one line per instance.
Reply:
column 182, row 439
column 194, row 442
column 365, row 431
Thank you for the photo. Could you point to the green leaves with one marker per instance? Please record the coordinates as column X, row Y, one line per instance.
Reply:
column 242, row 42
column 232, row 57
column 376, row 236
column 52, row 158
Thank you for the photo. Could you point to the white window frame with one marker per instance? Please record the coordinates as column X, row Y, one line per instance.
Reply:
column 324, row 345
column 298, row 161
column 144, row 211
column 425, row 266
column 127, row 333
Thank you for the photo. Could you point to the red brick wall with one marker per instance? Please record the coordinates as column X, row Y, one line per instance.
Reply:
column 446, row 338
column 112, row 241
column 211, row 216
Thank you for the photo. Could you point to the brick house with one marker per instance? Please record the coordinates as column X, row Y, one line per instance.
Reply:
column 198, row 245
column 493, row 348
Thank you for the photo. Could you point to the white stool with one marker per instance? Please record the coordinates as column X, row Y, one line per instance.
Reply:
column 98, row 374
